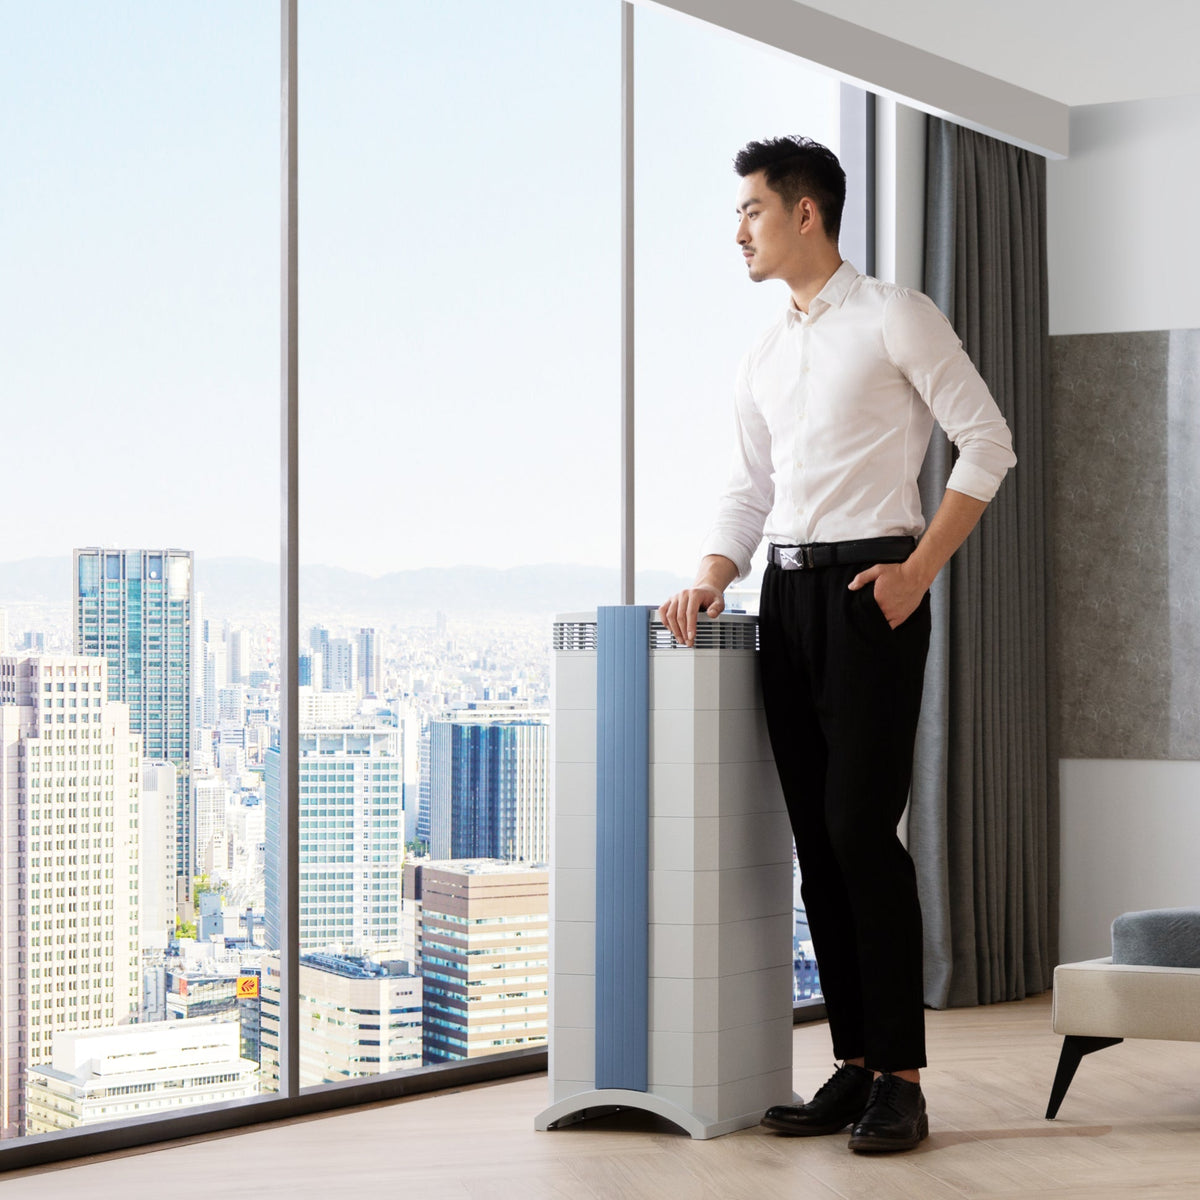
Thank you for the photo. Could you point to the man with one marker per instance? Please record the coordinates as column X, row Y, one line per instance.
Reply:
column 834, row 409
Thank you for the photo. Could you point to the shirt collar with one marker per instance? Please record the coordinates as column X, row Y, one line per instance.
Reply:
column 836, row 289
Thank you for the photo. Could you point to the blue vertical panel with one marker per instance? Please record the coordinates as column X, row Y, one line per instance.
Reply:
column 622, row 846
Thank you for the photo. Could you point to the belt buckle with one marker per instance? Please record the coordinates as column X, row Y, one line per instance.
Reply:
column 796, row 558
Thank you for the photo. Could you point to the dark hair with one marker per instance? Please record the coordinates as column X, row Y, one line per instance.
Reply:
column 796, row 166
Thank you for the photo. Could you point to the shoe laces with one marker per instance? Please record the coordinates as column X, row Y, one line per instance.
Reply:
column 884, row 1092
column 842, row 1080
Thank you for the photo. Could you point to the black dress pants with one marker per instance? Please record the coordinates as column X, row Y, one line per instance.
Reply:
column 842, row 693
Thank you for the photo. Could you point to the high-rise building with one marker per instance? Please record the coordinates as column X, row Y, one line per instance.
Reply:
column 159, row 798
column 484, row 957
column 318, row 641
column 216, row 677
column 359, row 1018
column 424, row 790
column 350, row 823
column 488, row 779
column 326, row 710
column 231, row 707
column 70, row 787
column 340, row 665
column 370, row 662
column 199, row 655
column 239, row 655
column 210, row 797
column 134, row 609
column 137, row 1071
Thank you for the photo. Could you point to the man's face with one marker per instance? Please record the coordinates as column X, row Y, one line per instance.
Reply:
column 767, row 232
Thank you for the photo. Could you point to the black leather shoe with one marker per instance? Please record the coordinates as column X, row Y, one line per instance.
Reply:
column 838, row 1103
column 895, row 1117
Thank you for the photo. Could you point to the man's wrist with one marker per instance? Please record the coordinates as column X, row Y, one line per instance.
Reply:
column 919, row 572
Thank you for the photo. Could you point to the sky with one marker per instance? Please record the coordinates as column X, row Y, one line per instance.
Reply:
column 459, row 276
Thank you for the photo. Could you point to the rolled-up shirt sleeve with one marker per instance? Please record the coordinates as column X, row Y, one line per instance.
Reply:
column 749, row 495
column 924, row 347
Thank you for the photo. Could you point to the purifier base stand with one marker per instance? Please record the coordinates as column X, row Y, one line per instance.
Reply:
column 598, row 1103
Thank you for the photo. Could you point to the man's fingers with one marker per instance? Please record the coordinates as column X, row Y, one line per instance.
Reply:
column 681, row 613
column 864, row 577
column 695, row 599
column 671, row 618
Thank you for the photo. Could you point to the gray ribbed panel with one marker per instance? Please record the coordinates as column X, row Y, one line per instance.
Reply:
column 622, row 846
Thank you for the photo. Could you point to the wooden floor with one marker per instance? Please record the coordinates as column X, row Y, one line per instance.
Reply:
column 1130, row 1127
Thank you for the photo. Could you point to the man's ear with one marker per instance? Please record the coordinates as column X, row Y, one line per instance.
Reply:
column 807, row 218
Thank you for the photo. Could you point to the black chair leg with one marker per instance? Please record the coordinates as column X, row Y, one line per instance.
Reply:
column 1074, row 1048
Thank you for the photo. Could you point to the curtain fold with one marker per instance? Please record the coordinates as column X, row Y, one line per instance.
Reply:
column 983, row 820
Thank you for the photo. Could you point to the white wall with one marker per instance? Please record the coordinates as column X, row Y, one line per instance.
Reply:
column 1123, row 233
column 1124, row 241
column 1129, row 837
column 899, row 193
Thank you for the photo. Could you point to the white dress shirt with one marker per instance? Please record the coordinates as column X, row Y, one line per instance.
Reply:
column 833, row 412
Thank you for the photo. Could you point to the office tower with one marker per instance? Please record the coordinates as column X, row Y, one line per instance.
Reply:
column 239, row 655
column 304, row 670
column 424, row 789
column 199, row 655
column 327, row 710
column 485, row 955
column 409, row 724
column 318, row 642
column 488, row 772
column 209, row 797
column 231, row 762
column 410, row 912
column 69, row 875
column 231, row 706
column 340, row 665
column 134, row 608
column 216, row 677
column 370, row 662
column 359, row 1017
column 139, row 1070
column 160, row 796
column 350, row 839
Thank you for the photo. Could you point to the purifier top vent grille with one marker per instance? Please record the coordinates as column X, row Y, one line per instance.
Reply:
column 710, row 635
column 740, row 633
column 575, row 635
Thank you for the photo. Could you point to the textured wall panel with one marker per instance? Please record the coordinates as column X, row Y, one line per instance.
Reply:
column 1126, row 463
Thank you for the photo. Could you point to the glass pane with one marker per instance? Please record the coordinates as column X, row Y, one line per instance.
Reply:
column 696, row 312
column 459, row 185
column 139, row 292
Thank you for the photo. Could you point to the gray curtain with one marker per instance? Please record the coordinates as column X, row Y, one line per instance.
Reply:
column 983, row 821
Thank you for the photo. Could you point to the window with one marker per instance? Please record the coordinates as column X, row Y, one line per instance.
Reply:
column 459, row 483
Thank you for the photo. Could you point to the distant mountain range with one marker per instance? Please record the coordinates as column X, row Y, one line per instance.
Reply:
column 247, row 585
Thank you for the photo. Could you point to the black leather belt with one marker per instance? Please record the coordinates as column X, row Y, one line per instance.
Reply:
column 834, row 554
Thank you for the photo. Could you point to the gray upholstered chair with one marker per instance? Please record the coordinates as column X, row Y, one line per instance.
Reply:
column 1149, row 988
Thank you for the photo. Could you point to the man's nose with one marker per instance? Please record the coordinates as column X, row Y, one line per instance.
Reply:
column 743, row 235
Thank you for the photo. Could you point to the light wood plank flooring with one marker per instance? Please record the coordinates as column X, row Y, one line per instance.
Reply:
column 1130, row 1127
